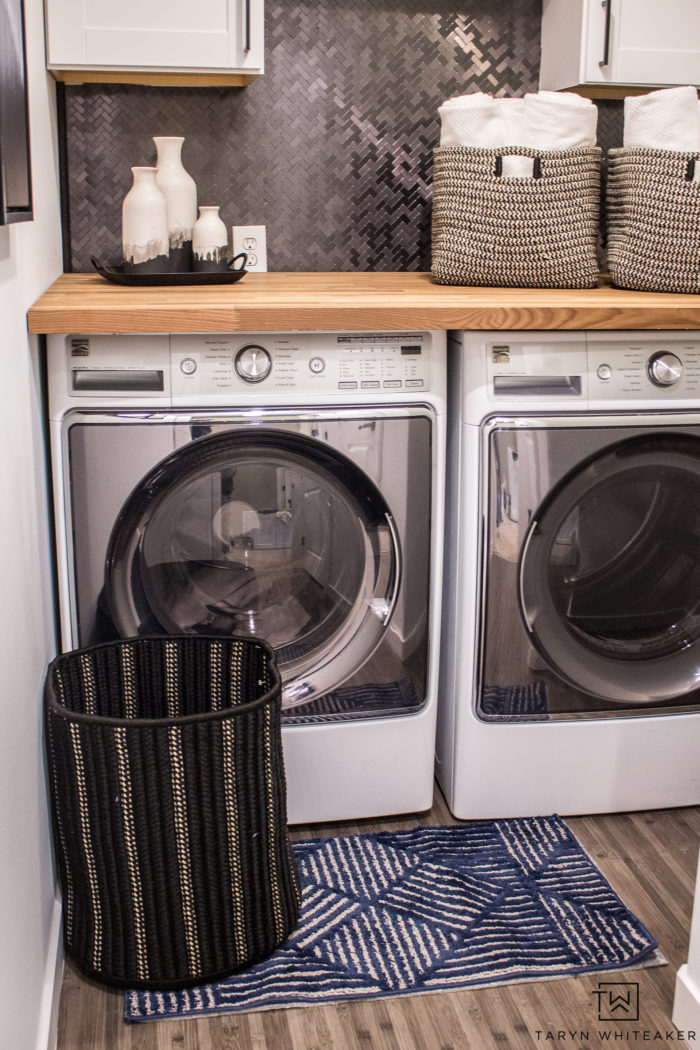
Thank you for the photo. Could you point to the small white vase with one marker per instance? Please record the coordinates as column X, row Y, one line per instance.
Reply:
column 209, row 240
column 180, row 192
column 145, row 239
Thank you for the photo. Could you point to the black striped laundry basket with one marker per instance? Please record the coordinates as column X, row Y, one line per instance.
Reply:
column 169, row 808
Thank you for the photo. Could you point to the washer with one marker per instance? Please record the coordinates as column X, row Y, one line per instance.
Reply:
column 570, row 676
column 287, row 486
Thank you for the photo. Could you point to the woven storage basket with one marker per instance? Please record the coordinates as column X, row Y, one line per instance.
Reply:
column 169, row 808
column 653, row 214
column 538, row 232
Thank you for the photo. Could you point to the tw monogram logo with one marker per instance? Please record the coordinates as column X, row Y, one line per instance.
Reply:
column 618, row 1001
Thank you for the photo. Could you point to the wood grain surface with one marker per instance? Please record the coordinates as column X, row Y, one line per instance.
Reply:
column 650, row 859
column 152, row 79
column 87, row 303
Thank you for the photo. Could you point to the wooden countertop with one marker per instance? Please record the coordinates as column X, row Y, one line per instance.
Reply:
column 87, row 303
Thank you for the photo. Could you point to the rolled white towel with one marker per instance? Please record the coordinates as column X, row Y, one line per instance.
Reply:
column 665, row 119
column 548, row 120
column 558, row 120
column 511, row 110
column 471, row 120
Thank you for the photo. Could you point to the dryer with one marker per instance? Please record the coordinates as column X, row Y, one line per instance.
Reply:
column 570, row 674
column 283, row 485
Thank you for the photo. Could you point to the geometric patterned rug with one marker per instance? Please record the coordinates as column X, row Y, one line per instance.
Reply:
column 515, row 703
column 351, row 702
column 426, row 910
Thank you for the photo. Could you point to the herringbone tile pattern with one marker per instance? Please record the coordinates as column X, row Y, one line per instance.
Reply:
column 331, row 148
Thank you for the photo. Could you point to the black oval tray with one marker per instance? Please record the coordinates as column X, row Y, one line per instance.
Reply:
column 115, row 272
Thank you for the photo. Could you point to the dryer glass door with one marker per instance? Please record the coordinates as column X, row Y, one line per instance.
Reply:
column 610, row 572
column 591, row 588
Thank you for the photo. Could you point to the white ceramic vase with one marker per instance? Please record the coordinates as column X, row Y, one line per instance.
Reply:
column 209, row 240
column 180, row 192
column 145, row 239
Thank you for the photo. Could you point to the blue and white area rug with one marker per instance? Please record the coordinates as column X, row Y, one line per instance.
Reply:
column 428, row 910
column 515, row 703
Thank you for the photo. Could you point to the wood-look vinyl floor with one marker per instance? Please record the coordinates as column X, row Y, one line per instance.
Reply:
column 650, row 859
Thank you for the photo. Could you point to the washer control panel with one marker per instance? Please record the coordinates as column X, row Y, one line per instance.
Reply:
column 386, row 363
column 655, row 368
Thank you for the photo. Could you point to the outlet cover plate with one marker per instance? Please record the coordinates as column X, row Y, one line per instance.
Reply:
column 253, row 241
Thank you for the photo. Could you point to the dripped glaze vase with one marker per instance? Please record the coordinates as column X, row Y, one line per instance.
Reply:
column 180, row 192
column 145, row 241
column 209, row 241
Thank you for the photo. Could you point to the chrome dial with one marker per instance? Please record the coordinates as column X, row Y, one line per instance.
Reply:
column 665, row 368
column 253, row 363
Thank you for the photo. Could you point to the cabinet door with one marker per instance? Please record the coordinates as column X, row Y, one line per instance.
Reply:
column 610, row 42
column 656, row 43
column 155, row 34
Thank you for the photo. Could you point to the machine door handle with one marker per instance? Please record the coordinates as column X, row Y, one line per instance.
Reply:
column 607, row 4
column 247, row 26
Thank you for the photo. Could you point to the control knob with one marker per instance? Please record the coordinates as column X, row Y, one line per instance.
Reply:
column 665, row 368
column 253, row 363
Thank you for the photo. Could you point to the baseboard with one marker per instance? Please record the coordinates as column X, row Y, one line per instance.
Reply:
column 686, row 1007
column 47, row 1028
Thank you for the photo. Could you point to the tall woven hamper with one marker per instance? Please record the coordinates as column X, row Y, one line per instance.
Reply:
column 653, row 213
column 169, row 812
column 539, row 231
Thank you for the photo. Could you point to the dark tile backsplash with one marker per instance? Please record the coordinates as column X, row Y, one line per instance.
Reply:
column 331, row 148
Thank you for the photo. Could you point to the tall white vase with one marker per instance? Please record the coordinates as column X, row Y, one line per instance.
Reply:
column 145, row 223
column 180, row 192
column 209, row 240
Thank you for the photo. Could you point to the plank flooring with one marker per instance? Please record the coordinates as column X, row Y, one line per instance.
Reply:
column 650, row 859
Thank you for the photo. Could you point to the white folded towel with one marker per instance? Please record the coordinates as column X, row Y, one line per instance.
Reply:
column 665, row 119
column 558, row 120
column 471, row 120
column 547, row 120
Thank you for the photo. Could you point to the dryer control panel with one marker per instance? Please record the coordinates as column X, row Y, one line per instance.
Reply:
column 588, row 367
column 651, row 367
column 309, row 363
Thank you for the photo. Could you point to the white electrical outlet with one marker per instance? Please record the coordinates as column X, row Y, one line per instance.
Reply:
column 253, row 241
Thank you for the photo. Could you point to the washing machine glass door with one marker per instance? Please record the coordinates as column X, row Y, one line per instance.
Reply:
column 261, row 532
column 609, row 572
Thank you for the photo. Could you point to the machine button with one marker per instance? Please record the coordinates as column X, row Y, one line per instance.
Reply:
column 665, row 368
column 253, row 363
column 317, row 364
column 349, row 384
column 188, row 365
column 414, row 382
column 604, row 372
column 391, row 383
column 370, row 384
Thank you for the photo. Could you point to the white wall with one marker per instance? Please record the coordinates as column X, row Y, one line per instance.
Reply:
column 686, row 1001
column 30, row 259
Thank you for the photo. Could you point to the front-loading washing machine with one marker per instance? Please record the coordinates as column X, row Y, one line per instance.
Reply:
column 570, row 676
column 286, row 486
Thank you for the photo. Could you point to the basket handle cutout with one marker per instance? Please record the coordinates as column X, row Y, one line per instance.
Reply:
column 536, row 167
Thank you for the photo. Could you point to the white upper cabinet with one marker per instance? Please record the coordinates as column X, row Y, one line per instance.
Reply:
column 133, row 40
column 601, row 46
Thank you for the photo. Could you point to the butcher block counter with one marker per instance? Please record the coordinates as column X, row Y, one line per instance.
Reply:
column 87, row 303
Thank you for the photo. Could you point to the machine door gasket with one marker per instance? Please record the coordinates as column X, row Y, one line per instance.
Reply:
column 346, row 637
column 623, row 625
